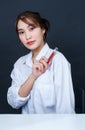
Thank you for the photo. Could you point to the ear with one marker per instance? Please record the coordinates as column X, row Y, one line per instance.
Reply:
column 43, row 31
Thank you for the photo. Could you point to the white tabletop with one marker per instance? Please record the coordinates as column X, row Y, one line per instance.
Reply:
column 42, row 122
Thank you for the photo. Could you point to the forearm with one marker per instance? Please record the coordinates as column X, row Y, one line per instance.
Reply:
column 27, row 86
column 39, row 67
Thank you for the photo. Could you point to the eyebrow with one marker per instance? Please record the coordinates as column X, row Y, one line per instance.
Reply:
column 19, row 29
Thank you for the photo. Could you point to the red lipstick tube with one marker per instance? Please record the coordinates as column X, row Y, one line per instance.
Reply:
column 51, row 57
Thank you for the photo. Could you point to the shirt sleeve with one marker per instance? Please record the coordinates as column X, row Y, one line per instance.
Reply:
column 13, row 97
column 65, row 102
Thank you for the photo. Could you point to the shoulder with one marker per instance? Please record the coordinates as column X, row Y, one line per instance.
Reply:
column 60, row 55
column 60, row 63
column 60, row 58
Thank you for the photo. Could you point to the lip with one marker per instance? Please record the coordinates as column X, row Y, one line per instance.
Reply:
column 30, row 43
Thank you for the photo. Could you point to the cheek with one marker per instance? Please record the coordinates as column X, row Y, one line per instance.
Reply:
column 22, row 39
column 39, row 35
column 35, row 35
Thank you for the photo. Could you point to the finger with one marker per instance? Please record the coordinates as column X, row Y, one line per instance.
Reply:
column 41, row 67
column 38, row 66
column 44, row 63
column 44, row 58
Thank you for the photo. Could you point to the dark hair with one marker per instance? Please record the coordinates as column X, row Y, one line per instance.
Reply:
column 34, row 19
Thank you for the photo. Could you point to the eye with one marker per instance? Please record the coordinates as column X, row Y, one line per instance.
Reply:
column 31, row 28
column 21, row 32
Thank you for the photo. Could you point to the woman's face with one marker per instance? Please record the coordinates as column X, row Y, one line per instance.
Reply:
column 30, row 36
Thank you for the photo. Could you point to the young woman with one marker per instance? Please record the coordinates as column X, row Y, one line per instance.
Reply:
column 39, row 84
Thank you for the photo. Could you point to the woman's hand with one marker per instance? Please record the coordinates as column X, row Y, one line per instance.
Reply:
column 39, row 67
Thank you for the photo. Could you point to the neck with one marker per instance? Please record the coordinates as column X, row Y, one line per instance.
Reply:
column 36, row 52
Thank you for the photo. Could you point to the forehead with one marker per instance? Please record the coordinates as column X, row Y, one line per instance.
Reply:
column 28, row 21
column 21, row 25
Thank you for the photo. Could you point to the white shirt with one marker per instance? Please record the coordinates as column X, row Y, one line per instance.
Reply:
column 52, row 92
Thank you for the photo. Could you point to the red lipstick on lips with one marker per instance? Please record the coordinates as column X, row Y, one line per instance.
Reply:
column 30, row 43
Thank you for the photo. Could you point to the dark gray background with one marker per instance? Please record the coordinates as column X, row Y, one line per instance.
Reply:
column 67, row 18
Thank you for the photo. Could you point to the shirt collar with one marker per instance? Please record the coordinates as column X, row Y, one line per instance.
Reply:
column 43, row 52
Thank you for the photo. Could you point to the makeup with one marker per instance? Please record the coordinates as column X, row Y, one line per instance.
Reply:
column 52, row 55
column 30, row 43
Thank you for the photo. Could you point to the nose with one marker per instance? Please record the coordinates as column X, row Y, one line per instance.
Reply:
column 27, row 35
